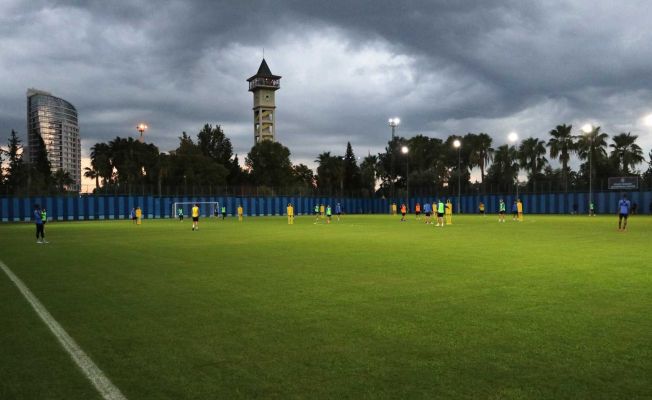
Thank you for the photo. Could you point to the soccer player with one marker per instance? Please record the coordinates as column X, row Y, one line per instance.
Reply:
column 427, row 209
column 449, row 212
column 591, row 209
column 316, row 210
column 481, row 208
column 40, row 229
column 393, row 209
column 514, row 211
column 195, row 217
column 290, row 212
column 519, row 209
column 440, row 213
column 180, row 214
column 240, row 213
column 403, row 212
column 623, row 212
column 44, row 216
column 417, row 211
column 329, row 214
column 322, row 211
column 132, row 215
column 338, row 211
column 223, row 212
column 501, row 211
column 139, row 215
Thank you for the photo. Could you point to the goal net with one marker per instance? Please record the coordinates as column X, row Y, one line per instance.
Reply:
column 206, row 208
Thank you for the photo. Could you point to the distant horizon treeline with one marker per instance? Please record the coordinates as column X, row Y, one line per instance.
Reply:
column 125, row 165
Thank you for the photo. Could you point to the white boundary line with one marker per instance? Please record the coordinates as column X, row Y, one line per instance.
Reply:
column 107, row 390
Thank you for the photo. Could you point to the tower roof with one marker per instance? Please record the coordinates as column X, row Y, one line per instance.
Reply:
column 264, row 72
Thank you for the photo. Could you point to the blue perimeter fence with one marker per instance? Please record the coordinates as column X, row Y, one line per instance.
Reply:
column 92, row 207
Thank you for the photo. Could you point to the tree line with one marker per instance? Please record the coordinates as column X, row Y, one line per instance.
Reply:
column 18, row 177
column 206, row 163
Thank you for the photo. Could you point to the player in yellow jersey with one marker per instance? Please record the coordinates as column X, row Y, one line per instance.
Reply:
column 393, row 209
column 322, row 211
column 240, row 212
column 139, row 216
column 290, row 212
column 519, row 210
column 195, row 217
column 449, row 212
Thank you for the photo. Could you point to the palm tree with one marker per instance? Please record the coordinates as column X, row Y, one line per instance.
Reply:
column 101, row 161
column 626, row 153
column 531, row 157
column 592, row 147
column 562, row 145
column 91, row 173
column 504, row 169
column 481, row 153
column 62, row 179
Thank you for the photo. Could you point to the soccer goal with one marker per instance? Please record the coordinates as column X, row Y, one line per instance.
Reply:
column 206, row 208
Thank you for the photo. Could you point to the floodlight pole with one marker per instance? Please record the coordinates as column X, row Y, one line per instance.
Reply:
column 405, row 150
column 459, row 180
column 393, row 123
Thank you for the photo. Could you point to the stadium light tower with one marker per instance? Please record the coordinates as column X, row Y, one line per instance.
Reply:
column 141, row 128
column 458, row 145
column 405, row 151
column 588, row 130
column 512, row 137
column 393, row 123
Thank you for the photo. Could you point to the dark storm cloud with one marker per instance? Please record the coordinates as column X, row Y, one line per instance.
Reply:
column 443, row 66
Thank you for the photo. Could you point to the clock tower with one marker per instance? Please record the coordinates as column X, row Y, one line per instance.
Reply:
column 263, row 85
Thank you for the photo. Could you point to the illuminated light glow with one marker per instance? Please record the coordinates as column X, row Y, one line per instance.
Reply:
column 457, row 144
column 647, row 120
column 404, row 149
column 512, row 137
column 587, row 128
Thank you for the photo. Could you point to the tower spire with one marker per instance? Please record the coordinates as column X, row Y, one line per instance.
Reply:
column 263, row 85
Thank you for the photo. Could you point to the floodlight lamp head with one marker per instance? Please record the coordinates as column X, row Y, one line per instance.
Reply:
column 404, row 149
column 648, row 120
column 512, row 137
column 457, row 143
column 587, row 128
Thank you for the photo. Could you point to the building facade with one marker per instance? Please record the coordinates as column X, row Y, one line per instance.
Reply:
column 55, row 121
column 263, row 85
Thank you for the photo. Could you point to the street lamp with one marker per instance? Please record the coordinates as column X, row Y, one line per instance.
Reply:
column 393, row 123
column 512, row 137
column 405, row 151
column 141, row 128
column 458, row 145
column 588, row 130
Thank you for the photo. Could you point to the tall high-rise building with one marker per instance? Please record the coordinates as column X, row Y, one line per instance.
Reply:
column 55, row 121
column 263, row 85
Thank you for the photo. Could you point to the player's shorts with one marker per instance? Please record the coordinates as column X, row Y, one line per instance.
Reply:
column 440, row 214
column 418, row 212
column 481, row 211
column 195, row 219
column 501, row 212
column 339, row 213
column 621, row 216
column 427, row 214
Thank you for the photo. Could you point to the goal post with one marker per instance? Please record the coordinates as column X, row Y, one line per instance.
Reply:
column 206, row 208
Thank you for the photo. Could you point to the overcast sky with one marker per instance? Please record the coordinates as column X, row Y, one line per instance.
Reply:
column 444, row 67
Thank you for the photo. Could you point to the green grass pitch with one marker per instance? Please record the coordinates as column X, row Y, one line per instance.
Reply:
column 556, row 307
